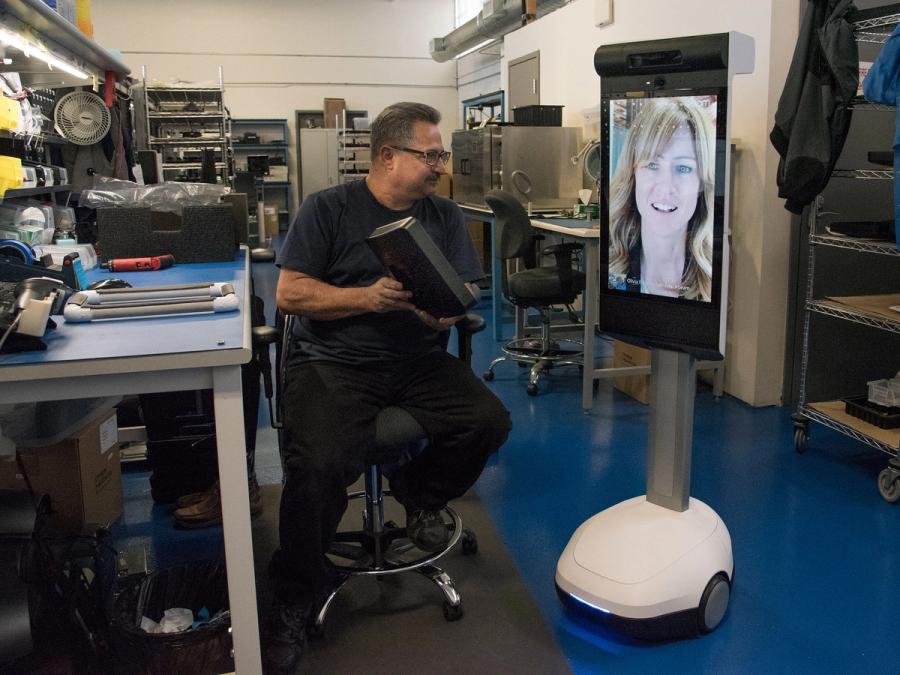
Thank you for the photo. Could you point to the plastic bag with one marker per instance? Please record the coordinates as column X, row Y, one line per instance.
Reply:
column 168, row 196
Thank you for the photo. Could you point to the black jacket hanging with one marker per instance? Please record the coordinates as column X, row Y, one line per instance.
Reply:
column 813, row 115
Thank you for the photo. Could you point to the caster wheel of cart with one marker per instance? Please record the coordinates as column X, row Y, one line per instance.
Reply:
column 801, row 437
column 452, row 612
column 889, row 485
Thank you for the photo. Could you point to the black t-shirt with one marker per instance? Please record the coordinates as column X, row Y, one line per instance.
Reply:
column 327, row 241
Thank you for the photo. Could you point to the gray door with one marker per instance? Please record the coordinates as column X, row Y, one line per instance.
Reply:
column 318, row 163
column 524, row 81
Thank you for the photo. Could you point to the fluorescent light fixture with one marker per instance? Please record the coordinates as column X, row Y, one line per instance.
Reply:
column 29, row 49
column 475, row 48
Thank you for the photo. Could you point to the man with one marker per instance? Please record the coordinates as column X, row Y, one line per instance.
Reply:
column 360, row 346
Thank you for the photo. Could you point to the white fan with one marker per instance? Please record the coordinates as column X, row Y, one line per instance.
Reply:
column 82, row 118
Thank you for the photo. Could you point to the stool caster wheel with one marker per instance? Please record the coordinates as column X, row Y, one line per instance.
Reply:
column 488, row 376
column 315, row 631
column 531, row 389
column 453, row 612
column 469, row 543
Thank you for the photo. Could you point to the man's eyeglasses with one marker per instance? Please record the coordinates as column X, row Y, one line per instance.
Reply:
column 431, row 157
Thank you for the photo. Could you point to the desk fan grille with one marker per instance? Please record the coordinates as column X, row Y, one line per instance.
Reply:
column 82, row 118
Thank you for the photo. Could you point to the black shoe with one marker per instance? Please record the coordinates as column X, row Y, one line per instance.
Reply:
column 286, row 639
column 427, row 530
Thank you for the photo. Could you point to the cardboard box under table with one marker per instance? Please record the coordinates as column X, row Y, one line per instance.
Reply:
column 625, row 355
column 81, row 474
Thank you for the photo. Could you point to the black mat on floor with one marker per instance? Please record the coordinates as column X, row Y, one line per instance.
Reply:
column 396, row 625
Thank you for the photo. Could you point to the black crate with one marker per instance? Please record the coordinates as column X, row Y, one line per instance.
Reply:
column 538, row 116
column 879, row 415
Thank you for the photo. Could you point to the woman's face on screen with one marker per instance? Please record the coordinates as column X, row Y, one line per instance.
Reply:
column 666, row 187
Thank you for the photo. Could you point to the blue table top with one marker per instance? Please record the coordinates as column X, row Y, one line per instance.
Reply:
column 150, row 336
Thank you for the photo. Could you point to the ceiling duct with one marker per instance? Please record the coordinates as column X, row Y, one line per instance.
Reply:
column 496, row 19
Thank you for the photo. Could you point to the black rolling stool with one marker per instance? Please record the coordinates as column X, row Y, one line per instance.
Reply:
column 381, row 547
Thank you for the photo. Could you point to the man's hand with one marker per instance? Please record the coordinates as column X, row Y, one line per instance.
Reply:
column 387, row 295
column 435, row 323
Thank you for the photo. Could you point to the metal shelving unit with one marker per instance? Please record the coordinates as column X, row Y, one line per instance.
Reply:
column 354, row 154
column 870, row 26
column 40, row 25
column 480, row 108
column 180, row 122
column 274, row 137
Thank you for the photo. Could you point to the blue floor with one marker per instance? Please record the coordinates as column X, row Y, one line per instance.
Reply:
column 815, row 547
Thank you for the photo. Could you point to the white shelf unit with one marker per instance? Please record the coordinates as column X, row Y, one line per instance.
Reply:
column 181, row 122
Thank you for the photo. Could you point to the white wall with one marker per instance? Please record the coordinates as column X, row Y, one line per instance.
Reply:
column 567, row 39
column 280, row 56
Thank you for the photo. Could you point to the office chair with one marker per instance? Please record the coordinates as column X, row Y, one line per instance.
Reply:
column 381, row 547
column 534, row 286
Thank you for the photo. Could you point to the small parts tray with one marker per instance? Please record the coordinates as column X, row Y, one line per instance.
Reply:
column 880, row 416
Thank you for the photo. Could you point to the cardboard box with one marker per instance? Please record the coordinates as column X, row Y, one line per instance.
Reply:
column 270, row 215
column 625, row 355
column 334, row 112
column 82, row 474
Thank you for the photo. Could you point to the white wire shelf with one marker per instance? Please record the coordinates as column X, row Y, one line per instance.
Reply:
column 860, row 103
column 889, row 17
column 184, row 114
column 863, row 245
column 176, row 166
column 838, row 311
column 180, row 142
column 829, row 414
column 864, row 174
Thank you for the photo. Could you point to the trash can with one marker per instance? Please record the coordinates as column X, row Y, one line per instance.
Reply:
column 204, row 649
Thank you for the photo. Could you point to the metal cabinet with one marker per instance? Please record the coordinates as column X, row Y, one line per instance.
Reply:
column 319, row 160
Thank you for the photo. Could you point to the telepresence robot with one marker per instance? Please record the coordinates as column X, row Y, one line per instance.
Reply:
column 659, row 566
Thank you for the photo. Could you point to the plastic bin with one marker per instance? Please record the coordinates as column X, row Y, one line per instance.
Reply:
column 538, row 116
column 881, row 416
column 885, row 392
column 204, row 649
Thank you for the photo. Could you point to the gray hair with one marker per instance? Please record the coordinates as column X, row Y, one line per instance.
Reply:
column 394, row 125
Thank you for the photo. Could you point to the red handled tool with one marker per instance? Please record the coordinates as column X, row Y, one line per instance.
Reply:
column 157, row 262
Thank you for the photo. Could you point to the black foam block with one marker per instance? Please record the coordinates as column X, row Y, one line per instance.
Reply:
column 204, row 234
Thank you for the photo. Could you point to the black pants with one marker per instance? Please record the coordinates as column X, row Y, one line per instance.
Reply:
column 330, row 412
